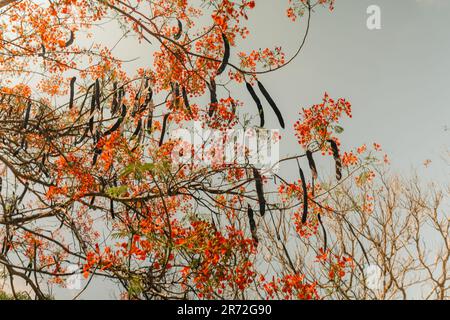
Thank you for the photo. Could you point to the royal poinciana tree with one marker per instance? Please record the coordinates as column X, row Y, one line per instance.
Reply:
column 86, row 159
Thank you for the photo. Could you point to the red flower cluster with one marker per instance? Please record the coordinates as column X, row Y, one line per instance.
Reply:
column 316, row 123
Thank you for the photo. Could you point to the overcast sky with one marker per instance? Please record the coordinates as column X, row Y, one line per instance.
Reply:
column 396, row 78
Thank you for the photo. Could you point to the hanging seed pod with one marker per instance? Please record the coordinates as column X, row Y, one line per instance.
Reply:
column 180, row 30
column 252, row 223
column 43, row 51
column 138, row 129
column 27, row 115
column 186, row 101
column 97, row 152
column 43, row 160
column 259, row 192
column 337, row 159
column 305, row 195
column 271, row 103
column 4, row 245
column 91, row 125
column 325, row 240
column 118, row 122
column 312, row 164
column 149, row 97
column 213, row 95
column 71, row 39
column 91, row 203
column 226, row 55
column 163, row 131
column 97, row 94
column 257, row 101
column 111, row 204
column 72, row 91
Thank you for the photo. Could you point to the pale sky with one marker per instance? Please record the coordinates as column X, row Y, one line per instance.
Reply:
column 396, row 78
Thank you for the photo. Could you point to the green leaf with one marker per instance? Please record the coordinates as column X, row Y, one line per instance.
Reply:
column 117, row 191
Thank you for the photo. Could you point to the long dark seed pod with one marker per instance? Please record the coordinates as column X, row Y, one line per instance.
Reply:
column 42, row 54
column 259, row 192
column 226, row 55
column 111, row 204
column 271, row 103
column 312, row 164
column 149, row 95
column 258, row 103
column 305, row 194
column 71, row 39
column 163, row 131
column 337, row 159
column 213, row 94
column 252, row 223
column 325, row 240
column 180, row 30
column 118, row 122
column 27, row 115
column 97, row 152
column 97, row 94
column 138, row 129
column 72, row 91
column 91, row 125
column 186, row 100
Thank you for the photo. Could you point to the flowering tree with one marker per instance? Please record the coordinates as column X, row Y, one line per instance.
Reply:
column 88, row 175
